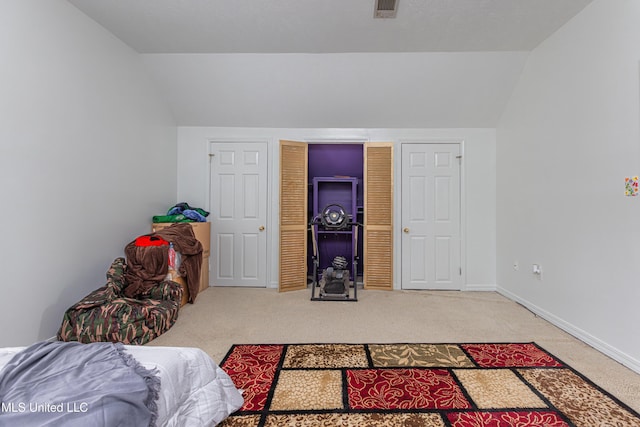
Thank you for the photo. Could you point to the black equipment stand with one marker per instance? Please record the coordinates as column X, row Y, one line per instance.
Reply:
column 337, row 275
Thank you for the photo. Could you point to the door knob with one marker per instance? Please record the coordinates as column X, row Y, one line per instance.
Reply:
column 261, row 228
column 406, row 229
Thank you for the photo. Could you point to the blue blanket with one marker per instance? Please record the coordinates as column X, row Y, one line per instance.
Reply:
column 74, row 384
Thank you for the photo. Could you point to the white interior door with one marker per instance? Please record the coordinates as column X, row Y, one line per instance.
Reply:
column 238, row 206
column 431, row 246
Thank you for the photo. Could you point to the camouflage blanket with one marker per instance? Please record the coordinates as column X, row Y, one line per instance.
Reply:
column 107, row 315
column 73, row 384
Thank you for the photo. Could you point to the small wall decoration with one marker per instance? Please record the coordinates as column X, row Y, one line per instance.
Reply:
column 631, row 186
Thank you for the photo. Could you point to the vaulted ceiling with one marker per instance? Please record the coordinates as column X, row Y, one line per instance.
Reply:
column 330, row 63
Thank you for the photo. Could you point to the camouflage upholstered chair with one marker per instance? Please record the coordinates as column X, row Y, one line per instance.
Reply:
column 107, row 315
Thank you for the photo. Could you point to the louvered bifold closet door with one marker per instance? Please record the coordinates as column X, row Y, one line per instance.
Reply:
column 378, row 216
column 294, row 193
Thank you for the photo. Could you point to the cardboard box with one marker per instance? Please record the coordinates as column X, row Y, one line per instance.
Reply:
column 202, row 231
column 185, row 293
column 204, row 282
column 204, row 274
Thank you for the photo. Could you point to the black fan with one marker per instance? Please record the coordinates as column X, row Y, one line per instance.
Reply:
column 334, row 217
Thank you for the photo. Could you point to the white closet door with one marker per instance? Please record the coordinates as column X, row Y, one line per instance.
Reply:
column 238, row 206
column 431, row 246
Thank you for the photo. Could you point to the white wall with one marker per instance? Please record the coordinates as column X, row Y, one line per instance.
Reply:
column 568, row 138
column 361, row 96
column 87, row 157
column 351, row 90
column 479, row 180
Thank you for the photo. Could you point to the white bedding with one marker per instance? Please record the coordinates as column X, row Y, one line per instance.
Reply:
column 194, row 390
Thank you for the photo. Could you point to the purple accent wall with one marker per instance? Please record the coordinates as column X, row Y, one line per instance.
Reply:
column 328, row 160
column 337, row 159
column 334, row 190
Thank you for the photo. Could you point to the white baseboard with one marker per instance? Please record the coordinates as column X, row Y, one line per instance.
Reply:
column 480, row 288
column 598, row 344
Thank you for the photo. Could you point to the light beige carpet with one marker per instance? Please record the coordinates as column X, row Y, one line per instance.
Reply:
column 222, row 317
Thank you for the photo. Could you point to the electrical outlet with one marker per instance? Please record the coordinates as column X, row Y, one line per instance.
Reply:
column 516, row 265
column 537, row 270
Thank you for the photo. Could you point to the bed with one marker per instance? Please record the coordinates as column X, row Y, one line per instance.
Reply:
column 193, row 390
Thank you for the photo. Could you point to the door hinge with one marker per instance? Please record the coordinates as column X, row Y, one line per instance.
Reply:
column 460, row 269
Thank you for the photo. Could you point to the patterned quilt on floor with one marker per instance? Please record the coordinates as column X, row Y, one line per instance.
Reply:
column 458, row 385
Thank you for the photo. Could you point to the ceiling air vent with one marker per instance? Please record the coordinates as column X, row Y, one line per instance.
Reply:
column 386, row 8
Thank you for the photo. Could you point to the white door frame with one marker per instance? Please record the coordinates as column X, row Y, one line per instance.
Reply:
column 463, row 209
column 268, row 228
